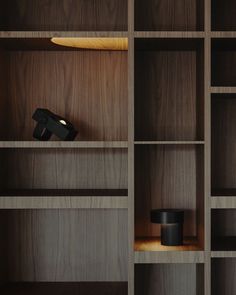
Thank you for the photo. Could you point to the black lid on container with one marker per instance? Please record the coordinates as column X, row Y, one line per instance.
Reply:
column 167, row 216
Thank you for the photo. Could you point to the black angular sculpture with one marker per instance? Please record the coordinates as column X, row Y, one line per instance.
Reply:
column 49, row 123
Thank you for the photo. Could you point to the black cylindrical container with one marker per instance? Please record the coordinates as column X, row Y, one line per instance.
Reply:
column 172, row 234
column 171, row 221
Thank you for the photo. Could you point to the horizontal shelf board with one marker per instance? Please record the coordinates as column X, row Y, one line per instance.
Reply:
column 169, row 257
column 63, row 144
column 223, row 90
column 223, row 34
column 168, row 34
column 223, row 254
column 154, row 244
column 50, row 34
column 169, row 142
column 223, row 202
column 68, row 202
column 60, row 288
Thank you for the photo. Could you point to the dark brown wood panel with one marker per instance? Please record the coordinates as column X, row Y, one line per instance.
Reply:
column 89, row 88
column 223, row 229
column 66, row 245
column 64, row 169
column 167, row 177
column 83, row 288
column 169, row 15
column 223, row 276
column 64, row 15
column 168, row 95
column 171, row 279
column 223, row 15
column 223, row 144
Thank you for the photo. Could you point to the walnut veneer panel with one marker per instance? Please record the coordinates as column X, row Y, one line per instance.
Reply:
column 223, row 276
column 171, row 279
column 223, row 15
column 168, row 100
column 167, row 177
column 64, row 169
column 89, row 88
column 64, row 15
column 223, row 143
column 66, row 245
column 169, row 15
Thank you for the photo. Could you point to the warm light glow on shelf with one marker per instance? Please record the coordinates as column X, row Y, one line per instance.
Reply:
column 93, row 43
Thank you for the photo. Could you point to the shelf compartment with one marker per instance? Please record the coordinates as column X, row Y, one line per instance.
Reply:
column 223, row 229
column 63, row 245
column 169, row 279
column 223, row 62
column 104, row 288
column 223, row 160
column 223, row 276
column 171, row 15
column 61, row 79
column 58, row 172
column 73, row 15
column 169, row 92
column 223, row 15
column 159, row 184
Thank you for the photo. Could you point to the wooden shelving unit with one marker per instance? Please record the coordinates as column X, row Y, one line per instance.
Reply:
column 156, row 130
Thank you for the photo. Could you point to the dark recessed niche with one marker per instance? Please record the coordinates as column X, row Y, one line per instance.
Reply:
column 64, row 15
column 223, row 159
column 171, row 279
column 169, row 15
column 223, row 230
column 223, row 15
column 223, row 276
column 169, row 92
column 223, row 62
column 97, row 105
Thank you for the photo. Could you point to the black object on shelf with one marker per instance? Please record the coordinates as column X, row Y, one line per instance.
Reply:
column 49, row 123
column 171, row 221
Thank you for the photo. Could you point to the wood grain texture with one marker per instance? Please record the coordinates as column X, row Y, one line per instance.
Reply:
column 223, row 142
column 64, row 144
column 223, row 276
column 67, row 202
column 168, row 15
column 168, row 34
column 66, row 15
column 93, row 99
column 167, row 177
column 63, row 169
column 224, row 90
column 66, row 245
column 221, row 202
column 107, row 288
column 167, row 86
column 50, row 34
column 171, row 279
column 223, row 15
column 184, row 256
column 223, row 254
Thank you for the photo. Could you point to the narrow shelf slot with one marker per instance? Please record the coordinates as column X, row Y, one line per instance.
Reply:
column 162, row 15
column 62, row 288
column 67, row 15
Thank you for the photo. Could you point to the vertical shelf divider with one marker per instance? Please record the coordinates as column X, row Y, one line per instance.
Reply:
column 207, row 148
column 131, row 147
